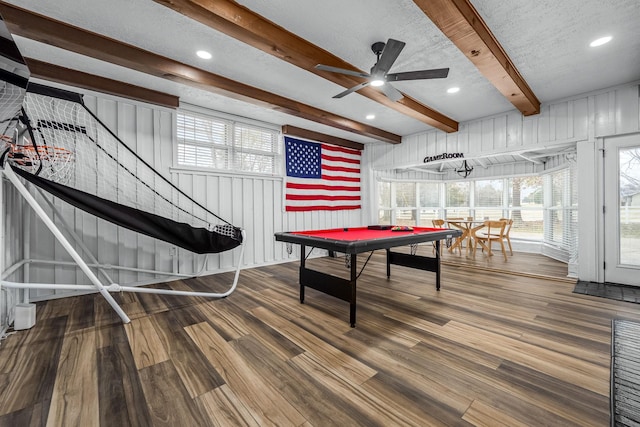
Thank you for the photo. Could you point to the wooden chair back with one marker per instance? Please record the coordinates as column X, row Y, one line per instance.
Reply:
column 507, row 230
column 495, row 229
column 491, row 231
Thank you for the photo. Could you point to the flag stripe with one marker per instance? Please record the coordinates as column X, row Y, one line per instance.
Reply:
column 321, row 176
column 320, row 197
column 340, row 159
column 340, row 169
column 340, row 178
column 293, row 185
column 321, row 208
column 339, row 149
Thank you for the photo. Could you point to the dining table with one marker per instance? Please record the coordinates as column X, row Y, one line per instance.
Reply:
column 468, row 226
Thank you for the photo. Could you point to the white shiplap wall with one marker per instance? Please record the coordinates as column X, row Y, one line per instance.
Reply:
column 557, row 124
column 11, row 210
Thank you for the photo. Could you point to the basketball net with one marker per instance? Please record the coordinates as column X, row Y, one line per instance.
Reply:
column 53, row 162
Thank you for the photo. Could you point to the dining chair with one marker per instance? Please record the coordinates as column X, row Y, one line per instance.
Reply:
column 491, row 231
column 507, row 230
column 440, row 223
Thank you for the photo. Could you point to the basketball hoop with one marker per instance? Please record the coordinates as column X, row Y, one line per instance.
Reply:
column 55, row 161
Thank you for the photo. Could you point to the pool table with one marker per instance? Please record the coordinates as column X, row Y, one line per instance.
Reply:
column 354, row 240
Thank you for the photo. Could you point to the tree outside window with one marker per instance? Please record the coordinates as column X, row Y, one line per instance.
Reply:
column 526, row 206
column 458, row 199
column 488, row 201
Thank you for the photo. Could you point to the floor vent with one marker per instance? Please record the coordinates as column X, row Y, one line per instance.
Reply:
column 625, row 373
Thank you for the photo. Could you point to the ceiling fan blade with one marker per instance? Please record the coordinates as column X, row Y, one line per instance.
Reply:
column 391, row 92
column 389, row 55
column 438, row 73
column 341, row 71
column 353, row 89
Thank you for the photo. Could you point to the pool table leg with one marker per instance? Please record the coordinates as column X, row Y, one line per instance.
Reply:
column 437, row 265
column 302, row 263
column 388, row 263
column 352, row 303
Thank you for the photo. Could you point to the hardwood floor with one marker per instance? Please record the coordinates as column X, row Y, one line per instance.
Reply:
column 490, row 349
column 524, row 264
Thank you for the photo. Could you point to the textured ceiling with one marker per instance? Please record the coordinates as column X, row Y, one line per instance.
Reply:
column 547, row 41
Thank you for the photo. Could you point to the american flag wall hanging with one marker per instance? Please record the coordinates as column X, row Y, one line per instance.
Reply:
column 321, row 176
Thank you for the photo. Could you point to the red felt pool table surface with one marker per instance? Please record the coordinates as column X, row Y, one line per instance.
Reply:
column 362, row 233
column 361, row 239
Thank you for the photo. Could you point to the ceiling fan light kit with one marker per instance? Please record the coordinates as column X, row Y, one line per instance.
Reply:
column 386, row 54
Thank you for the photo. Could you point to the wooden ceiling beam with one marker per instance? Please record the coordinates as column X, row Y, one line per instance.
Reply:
column 238, row 22
column 321, row 137
column 37, row 27
column 55, row 73
column 464, row 26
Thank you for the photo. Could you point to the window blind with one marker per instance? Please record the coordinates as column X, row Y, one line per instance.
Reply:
column 561, row 228
column 216, row 143
column 202, row 141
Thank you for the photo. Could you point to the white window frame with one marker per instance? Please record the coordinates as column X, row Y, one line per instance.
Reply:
column 567, row 246
column 231, row 147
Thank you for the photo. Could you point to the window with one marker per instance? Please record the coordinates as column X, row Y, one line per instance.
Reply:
column 384, row 203
column 222, row 144
column 202, row 142
column 458, row 199
column 561, row 220
column 488, row 198
column 398, row 203
column 429, row 203
column 543, row 208
column 526, row 207
column 406, row 202
column 629, row 210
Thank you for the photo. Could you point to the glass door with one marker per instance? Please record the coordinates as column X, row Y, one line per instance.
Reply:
column 622, row 210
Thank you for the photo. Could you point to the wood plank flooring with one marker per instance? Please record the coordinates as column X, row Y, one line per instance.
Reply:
column 491, row 348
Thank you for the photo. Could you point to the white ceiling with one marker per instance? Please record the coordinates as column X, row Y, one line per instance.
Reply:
column 547, row 40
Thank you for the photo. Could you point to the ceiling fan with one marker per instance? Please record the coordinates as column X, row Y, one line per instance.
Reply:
column 387, row 53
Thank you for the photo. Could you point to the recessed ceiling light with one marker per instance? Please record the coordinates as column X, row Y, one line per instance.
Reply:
column 203, row 54
column 371, row 116
column 453, row 90
column 377, row 82
column 600, row 41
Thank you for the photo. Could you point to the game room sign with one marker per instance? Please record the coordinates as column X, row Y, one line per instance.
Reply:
column 443, row 156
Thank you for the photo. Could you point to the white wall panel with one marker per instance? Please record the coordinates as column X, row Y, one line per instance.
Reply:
column 63, row 274
column 604, row 113
column 127, row 242
column 12, row 213
column 581, row 119
column 617, row 112
column 514, row 129
column 627, row 110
